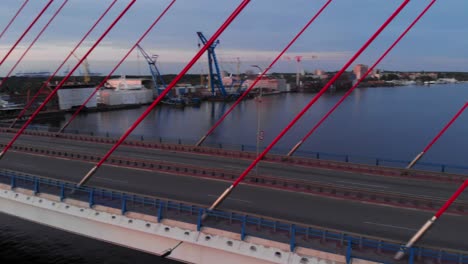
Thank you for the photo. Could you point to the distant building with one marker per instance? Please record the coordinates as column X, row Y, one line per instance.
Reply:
column 319, row 72
column 269, row 84
column 33, row 74
column 322, row 74
column 376, row 74
column 359, row 70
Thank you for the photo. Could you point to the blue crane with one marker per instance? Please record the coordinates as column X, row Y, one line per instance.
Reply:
column 215, row 77
column 155, row 73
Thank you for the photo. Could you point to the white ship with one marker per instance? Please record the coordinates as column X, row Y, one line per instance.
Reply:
column 123, row 91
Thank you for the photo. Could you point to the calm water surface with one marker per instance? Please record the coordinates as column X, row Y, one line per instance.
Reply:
column 393, row 123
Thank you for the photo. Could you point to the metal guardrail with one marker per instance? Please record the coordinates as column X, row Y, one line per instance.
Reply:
column 437, row 167
column 283, row 183
column 297, row 234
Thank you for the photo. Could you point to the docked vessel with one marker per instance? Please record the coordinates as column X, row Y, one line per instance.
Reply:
column 123, row 91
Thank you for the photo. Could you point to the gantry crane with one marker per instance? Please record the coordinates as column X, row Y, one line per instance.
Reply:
column 216, row 80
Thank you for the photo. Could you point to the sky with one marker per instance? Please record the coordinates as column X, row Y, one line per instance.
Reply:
column 437, row 43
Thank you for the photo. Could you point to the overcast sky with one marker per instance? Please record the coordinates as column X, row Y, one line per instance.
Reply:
column 439, row 42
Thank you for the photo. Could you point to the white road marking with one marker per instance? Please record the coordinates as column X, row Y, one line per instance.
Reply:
column 234, row 167
column 110, row 180
column 234, row 199
column 363, row 184
column 392, row 226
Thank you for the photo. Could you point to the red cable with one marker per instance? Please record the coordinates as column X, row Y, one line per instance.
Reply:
column 361, row 79
column 246, row 92
column 26, row 31
column 446, row 127
column 451, row 199
column 13, row 19
column 322, row 91
column 46, row 83
column 32, row 43
column 51, row 95
column 168, row 88
column 117, row 66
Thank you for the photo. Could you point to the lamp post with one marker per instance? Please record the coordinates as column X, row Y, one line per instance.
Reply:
column 258, row 100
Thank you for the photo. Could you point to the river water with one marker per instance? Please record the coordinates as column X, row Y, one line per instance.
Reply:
column 391, row 123
column 388, row 123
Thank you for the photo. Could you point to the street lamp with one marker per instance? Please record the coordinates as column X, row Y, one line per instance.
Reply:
column 259, row 132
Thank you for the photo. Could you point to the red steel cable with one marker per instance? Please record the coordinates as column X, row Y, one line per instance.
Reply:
column 49, row 97
column 33, row 42
column 431, row 221
column 445, row 128
column 46, row 83
column 246, row 92
column 303, row 111
column 117, row 66
column 291, row 152
column 420, row 155
column 216, row 35
column 26, row 31
column 13, row 19
column 447, row 204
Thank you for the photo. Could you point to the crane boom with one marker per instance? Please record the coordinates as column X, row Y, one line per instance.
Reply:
column 86, row 73
column 215, row 77
column 155, row 73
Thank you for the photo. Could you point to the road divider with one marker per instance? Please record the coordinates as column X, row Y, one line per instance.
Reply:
column 282, row 183
column 281, row 159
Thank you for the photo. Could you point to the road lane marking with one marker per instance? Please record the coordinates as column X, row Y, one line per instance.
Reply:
column 111, row 180
column 363, row 184
column 234, row 167
column 234, row 199
column 392, row 226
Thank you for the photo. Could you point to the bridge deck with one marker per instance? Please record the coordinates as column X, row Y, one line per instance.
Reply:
column 365, row 218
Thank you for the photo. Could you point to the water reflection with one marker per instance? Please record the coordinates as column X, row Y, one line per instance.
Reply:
column 378, row 122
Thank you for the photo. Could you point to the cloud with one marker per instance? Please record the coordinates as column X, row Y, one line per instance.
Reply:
column 258, row 34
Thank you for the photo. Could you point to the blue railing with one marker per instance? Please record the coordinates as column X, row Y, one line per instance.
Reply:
column 438, row 167
column 350, row 245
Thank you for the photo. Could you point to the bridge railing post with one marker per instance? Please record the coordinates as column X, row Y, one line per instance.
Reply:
column 292, row 241
column 243, row 227
column 411, row 256
column 13, row 181
column 36, row 186
column 349, row 251
column 199, row 219
column 91, row 198
column 62, row 192
column 160, row 210
column 123, row 208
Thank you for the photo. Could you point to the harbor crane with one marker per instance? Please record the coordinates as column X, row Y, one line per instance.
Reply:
column 215, row 78
column 299, row 68
column 155, row 73
column 86, row 74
